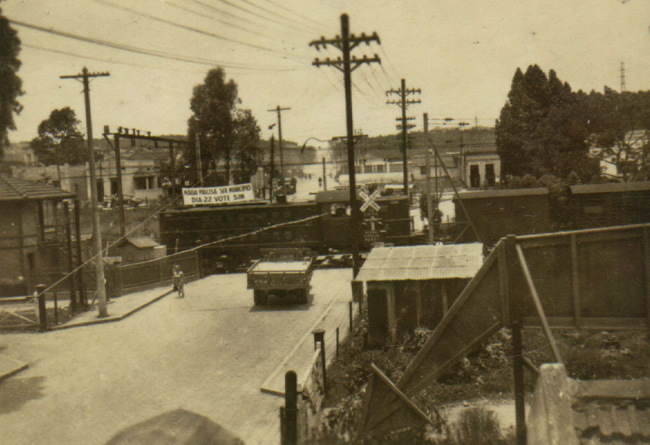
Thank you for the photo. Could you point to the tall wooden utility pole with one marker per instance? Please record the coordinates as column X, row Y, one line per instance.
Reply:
column 279, row 111
column 428, row 183
column 97, row 232
column 345, row 44
column 403, row 103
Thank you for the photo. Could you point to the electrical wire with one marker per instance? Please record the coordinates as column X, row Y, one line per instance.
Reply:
column 301, row 16
column 143, row 51
column 66, row 53
column 218, row 20
column 229, row 3
column 189, row 28
column 248, row 2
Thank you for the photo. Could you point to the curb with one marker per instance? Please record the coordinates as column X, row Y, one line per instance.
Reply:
column 110, row 319
column 20, row 367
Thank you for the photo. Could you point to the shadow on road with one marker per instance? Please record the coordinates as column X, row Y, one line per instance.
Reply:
column 16, row 392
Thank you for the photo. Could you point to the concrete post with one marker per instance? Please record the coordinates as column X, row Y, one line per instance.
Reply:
column 319, row 337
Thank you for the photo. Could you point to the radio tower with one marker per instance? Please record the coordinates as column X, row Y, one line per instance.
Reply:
column 622, row 76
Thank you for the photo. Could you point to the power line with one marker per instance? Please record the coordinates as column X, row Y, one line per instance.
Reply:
column 147, row 52
column 66, row 53
column 273, row 13
column 257, row 15
column 189, row 28
column 302, row 16
column 218, row 20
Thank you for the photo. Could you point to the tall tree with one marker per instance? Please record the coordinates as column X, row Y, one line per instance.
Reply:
column 620, row 124
column 10, row 83
column 224, row 132
column 59, row 140
column 542, row 129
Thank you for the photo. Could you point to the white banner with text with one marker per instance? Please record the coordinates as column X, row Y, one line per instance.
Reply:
column 226, row 194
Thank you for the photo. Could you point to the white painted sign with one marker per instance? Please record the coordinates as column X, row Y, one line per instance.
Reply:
column 226, row 194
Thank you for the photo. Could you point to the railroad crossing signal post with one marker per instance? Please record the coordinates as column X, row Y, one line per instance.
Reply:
column 345, row 44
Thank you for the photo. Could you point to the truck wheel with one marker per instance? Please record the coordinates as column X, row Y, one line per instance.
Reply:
column 260, row 297
column 303, row 296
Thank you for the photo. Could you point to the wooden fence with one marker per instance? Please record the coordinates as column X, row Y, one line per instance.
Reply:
column 126, row 278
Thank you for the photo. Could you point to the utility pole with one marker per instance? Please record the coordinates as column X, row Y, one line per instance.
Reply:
column 622, row 76
column 462, row 153
column 346, row 43
column 272, row 168
column 199, row 165
column 403, row 103
column 118, row 174
column 97, row 232
column 428, row 184
column 279, row 111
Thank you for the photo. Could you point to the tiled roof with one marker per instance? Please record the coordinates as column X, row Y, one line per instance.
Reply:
column 429, row 262
column 15, row 189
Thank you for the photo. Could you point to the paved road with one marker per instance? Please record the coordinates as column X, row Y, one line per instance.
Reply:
column 208, row 353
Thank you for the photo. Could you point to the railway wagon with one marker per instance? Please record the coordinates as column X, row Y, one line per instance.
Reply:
column 497, row 213
column 601, row 205
column 229, row 236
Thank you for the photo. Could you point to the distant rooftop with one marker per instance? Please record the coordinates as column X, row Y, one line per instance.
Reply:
column 15, row 189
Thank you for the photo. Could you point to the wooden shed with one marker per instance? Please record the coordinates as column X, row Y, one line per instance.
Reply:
column 133, row 249
column 413, row 286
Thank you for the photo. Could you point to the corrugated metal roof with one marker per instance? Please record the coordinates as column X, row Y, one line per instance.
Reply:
column 503, row 192
column 15, row 189
column 427, row 262
column 611, row 187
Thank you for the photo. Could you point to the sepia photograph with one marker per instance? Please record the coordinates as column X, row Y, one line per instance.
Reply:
column 296, row 222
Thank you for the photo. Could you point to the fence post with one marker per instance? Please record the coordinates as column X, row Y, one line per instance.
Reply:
column 319, row 337
column 290, row 408
column 337, row 342
column 56, row 308
column 514, row 294
column 350, row 311
column 42, row 314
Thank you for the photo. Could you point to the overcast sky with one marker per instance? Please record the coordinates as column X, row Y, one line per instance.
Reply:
column 462, row 54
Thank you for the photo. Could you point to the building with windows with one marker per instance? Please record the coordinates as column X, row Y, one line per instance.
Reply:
column 31, row 231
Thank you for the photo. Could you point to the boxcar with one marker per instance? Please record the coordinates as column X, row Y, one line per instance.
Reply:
column 600, row 205
column 497, row 213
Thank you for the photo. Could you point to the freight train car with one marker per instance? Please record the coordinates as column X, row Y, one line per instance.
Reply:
column 229, row 236
column 497, row 213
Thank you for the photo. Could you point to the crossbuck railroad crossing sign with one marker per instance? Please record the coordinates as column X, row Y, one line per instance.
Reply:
column 369, row 201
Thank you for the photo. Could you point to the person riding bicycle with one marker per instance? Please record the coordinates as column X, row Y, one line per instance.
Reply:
column 178, row 280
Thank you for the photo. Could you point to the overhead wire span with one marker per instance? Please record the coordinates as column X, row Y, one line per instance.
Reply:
column 189, row 28
column 297, row 14
column 144, row 51
column 218, row 20
column 248, row 2
column 229, row 3
column 67, row 53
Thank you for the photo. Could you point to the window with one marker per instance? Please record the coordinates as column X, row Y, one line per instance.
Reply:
column 423, row 170
column 474, row 176
column 490, row 177
column 143, row 182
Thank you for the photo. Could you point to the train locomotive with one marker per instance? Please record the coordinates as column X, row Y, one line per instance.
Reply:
column 228, row 237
